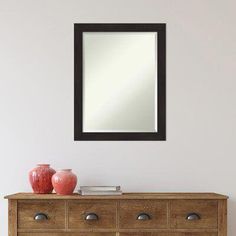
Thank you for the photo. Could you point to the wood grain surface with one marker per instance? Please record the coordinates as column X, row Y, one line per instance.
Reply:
column 67, row 234
column 145, row 195
column 206, row 209
column 130, row 209
column 118, row 214
column 12, row 217
column 105, row 210
column 55, row 210
column 193, row 234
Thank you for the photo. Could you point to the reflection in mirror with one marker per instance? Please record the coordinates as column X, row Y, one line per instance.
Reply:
column 119, row 82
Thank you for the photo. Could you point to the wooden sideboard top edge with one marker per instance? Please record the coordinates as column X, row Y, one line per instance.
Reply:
column 137, row 196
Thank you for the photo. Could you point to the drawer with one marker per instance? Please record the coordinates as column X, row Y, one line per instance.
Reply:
column 67, row 234
column 194, row 214
column 41, row 214
column 92, row 214
column 146, row 214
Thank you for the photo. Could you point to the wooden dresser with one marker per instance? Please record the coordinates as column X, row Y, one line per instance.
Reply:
column 131, row 214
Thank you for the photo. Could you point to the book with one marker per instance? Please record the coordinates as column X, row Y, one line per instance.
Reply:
column 83, row 192
column 100, row 188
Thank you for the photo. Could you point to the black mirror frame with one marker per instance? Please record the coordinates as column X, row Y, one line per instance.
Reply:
column 161, row 84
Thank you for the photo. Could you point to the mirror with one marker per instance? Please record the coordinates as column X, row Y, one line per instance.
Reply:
column 119, row 81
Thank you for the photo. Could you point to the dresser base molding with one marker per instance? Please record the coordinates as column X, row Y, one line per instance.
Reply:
column 161, row 214
column 120, row 230
column 120, row 234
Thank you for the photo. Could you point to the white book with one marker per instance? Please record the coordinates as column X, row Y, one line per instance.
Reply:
column 82, row 192
column 100, row 188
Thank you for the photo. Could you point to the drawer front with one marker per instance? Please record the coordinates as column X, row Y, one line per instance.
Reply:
column 92, row 214
column 43, row 214
column 146, row 214
column 67, row 234
column 194, row 214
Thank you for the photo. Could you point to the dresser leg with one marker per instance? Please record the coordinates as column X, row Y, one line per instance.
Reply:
column 12, row 218
column 222, row 218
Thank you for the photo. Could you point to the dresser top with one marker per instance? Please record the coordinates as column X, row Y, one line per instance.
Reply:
column 123, row 196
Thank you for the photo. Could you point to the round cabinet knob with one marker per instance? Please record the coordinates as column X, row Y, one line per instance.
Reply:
column 143, row 216
column 40, row 216
column 91, row 216
column 193, row 216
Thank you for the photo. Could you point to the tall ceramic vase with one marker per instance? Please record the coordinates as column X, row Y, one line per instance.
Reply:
column 40, row 178
column 64, row 182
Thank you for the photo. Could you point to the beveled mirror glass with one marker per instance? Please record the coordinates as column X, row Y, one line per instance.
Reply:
column 119, row 81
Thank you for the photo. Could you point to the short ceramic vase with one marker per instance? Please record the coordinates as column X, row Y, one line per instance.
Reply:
column 64, row 182
column 40, row 178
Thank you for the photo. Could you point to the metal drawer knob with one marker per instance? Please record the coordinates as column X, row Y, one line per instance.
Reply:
column 193, row 216
column 40, row 216
column 143, row 216
column 91, row 216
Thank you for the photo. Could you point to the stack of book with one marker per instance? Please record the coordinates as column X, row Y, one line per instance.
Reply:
column 100, row 190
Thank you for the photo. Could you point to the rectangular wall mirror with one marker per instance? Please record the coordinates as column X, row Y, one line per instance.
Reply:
column 119, row 81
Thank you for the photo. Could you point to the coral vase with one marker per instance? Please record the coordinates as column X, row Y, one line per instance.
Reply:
column 64, row 182
column 40, row 178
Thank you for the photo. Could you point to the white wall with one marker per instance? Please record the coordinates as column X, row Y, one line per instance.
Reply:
column 36, row 98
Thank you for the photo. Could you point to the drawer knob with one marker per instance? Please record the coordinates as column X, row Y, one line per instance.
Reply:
column 40, row 216
column 91, row 216
column 193, row 216
column 143, row 216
